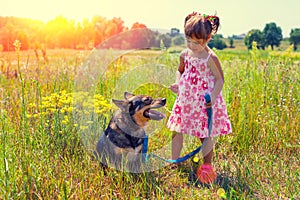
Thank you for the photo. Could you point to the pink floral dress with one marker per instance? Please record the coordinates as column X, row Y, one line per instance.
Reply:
column 189, row 113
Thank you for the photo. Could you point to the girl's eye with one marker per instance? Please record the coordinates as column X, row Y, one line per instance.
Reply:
column 192, row 42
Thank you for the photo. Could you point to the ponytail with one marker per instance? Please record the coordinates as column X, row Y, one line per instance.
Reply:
column 213, row 21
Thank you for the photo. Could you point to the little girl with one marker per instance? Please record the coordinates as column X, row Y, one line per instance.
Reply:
column 199, row 72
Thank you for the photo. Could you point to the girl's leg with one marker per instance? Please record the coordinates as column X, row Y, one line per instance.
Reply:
column 177, row 142
column 205, row 172
column 207, row 150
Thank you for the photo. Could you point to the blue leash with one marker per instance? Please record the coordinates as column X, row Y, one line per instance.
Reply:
column 145, row 156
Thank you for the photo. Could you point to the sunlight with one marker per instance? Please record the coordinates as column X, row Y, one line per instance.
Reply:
column 161, row 14
column 48, row 9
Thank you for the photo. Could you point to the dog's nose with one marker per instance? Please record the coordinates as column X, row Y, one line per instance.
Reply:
column 164, row 100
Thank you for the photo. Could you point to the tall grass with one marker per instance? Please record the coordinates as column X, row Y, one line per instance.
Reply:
column 44, row 157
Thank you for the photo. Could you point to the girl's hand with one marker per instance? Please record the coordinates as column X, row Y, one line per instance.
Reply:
column 211, row 103
column 174, row 88
column 208, row 105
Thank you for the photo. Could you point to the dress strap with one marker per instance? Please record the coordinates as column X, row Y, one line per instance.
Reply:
column 186, row 52
column 209, row 54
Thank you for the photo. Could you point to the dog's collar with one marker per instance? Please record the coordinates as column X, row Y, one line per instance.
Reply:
column 110, row 134
column 134, row 133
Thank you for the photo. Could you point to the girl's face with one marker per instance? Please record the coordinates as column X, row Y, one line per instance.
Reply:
column 196, row 45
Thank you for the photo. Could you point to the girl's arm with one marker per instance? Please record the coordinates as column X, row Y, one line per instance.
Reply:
column 180, row 67
column 216, row 69
column 174, row 86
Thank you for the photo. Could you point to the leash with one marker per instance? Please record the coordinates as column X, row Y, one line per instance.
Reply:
column 145, row 156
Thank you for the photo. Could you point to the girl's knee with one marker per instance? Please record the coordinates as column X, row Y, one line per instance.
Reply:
column 209, row 140
column 177, row 135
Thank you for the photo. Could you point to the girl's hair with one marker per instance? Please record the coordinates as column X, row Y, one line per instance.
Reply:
column 201, row 26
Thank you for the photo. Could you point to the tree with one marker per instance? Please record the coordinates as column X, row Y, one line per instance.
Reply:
column 166, row 39
column 22, row 37
column 137, row 25
column 217, row 43
column 295, row 37
column 178, row 40
column 231, row 42
column 174, row 32
column 60, row 33
column 272, row 34
column 7, row 36
column 257, row 36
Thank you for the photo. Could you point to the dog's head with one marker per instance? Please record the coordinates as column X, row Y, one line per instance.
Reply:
column 141, row 107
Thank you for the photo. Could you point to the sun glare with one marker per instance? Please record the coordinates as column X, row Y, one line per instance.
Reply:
column 49, row 9
column 59, row 24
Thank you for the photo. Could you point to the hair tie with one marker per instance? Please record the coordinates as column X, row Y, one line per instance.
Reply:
column 211, row 19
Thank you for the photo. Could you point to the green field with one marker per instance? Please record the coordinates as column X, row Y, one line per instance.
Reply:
column 43, row 155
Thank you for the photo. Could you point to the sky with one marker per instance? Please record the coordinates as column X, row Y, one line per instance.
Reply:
column 236, row 16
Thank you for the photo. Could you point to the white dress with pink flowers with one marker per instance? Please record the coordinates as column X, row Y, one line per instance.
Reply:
column 189, row 114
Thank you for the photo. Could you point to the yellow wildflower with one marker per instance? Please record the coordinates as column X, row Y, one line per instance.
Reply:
column 83, row 128
column 221, row 193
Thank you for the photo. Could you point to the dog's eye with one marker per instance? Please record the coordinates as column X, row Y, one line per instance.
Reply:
column 134, row 106
column 148, row 100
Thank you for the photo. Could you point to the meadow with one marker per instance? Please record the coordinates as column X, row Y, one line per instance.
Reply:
column 52, row 113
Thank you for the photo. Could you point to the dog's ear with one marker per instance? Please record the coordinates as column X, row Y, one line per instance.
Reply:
column 128, row 95
column 118, row 103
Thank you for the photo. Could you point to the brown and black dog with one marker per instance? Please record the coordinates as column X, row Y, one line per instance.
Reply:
column 120, row 146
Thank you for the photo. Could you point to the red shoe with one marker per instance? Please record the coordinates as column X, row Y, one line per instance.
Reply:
column 206, row 173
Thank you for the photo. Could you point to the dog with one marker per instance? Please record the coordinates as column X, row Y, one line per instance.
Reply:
column 120, row 146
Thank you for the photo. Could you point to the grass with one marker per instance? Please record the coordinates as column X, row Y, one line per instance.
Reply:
column 44, row 112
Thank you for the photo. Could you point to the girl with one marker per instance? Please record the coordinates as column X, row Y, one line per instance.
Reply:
column 199, row 72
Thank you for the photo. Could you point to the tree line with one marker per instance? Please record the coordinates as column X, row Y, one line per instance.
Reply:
column 63, row 33
column 271, row 35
